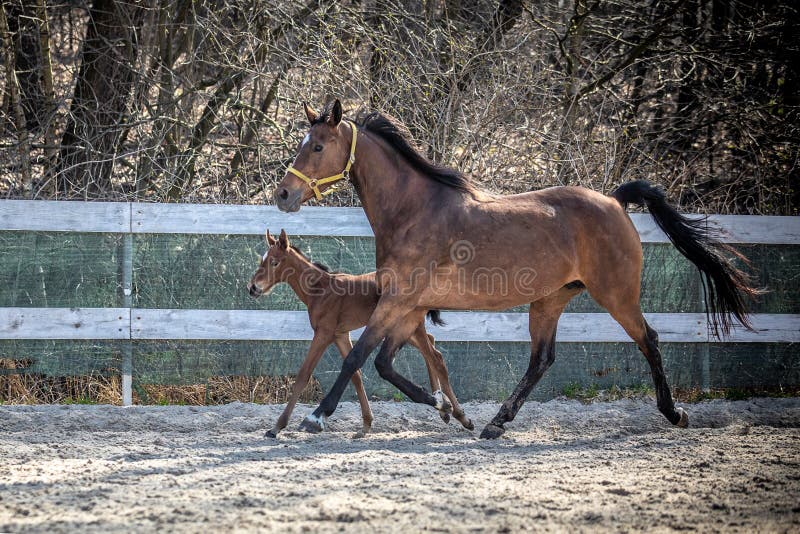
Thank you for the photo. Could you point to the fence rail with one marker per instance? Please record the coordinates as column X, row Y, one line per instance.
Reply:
column 142, row 218
column 277, row 325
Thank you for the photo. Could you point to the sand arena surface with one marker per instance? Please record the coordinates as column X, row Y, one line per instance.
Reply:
column 616, row 466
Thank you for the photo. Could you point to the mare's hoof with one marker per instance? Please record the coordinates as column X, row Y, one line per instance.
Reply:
column 492, row 431
column 272, row 433
column 467, row 423
column 683, row 422
column 361, row 433
column 313, row 424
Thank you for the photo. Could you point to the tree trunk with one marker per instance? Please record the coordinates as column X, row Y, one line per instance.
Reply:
column 15, row 103
column 23, row 25
column 99, row 104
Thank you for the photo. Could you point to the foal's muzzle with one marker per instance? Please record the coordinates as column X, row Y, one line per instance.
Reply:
column 254, row 291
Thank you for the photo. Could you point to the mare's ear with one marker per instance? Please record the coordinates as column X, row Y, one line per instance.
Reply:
column 283, row 240
column 335, row 116
column 270, row 240
column 311, row 115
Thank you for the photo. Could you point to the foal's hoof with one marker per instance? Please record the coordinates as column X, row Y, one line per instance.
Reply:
column 313, row 424
column 683, row 422
column 467, row 423
column 361, row 433
column 443, row 404
column 445, row 417
column 491, row 431
column 272, row 433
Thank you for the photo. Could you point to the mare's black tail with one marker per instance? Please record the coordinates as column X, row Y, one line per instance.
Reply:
column 727, row 289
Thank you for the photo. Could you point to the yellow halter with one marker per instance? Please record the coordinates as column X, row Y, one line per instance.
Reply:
column 344, row 175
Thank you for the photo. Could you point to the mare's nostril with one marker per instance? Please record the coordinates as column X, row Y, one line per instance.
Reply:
column 284, row 194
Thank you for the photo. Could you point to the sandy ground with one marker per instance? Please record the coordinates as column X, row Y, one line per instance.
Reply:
column 562, row 465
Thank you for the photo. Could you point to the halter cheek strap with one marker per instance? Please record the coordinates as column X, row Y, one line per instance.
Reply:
column 314, row 185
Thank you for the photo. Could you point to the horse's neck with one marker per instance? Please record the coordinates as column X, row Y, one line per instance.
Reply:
column 390, row 188
column 299, row 277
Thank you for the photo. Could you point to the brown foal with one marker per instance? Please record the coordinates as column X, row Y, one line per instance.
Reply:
column 438, row 240
column 337, row 304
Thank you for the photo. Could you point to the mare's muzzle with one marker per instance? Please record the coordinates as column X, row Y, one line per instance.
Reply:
column 287, row 200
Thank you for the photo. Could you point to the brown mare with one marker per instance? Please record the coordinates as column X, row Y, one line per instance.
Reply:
column 437, row 237
column 337, row 304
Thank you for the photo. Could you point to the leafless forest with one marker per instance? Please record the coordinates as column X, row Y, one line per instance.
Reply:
column 191, row 100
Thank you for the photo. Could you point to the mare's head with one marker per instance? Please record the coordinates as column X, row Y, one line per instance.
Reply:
column 273, row 267
column 323, row 153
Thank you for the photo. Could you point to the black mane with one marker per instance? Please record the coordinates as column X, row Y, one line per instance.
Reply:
column 397, row 136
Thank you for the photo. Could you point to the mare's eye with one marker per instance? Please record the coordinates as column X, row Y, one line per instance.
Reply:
column 317, row 148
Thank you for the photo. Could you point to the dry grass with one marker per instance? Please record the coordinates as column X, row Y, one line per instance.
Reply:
column 34, row 388
column 225, row 389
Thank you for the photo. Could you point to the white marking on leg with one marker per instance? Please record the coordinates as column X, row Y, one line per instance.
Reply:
column 439, row 396
column 317, row 420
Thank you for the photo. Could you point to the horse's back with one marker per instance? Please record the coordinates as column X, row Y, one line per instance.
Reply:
column 591, row 228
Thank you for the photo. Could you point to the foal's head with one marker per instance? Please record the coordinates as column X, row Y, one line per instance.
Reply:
column 274, row 266
column 323, row 153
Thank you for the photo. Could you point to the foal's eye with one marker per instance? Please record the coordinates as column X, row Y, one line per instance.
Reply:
column 274, row 263
column 317, row 148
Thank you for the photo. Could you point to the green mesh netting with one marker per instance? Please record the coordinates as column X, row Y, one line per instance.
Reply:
column 41, row 269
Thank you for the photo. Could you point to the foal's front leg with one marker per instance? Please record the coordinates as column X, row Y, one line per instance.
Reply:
column 318, row 345
column 344, row 345
column 389, row 311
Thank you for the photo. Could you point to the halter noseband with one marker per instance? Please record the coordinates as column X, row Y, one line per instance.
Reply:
column 344, row 175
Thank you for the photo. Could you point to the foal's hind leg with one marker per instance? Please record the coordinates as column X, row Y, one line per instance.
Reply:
column 433, row 377
column 433, row 358
column 344, row 345
column 543, row 321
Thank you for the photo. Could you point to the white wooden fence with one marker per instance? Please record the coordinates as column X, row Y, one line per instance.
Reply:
column 135, row 324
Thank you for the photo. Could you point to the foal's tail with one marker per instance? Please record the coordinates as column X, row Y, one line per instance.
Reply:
column 435, row 317
column 727, row 289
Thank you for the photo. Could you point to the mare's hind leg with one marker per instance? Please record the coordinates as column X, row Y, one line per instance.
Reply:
column 344, row 345
column 629, row 315
column 543, row 321
column 383, row 363
column 424, row 342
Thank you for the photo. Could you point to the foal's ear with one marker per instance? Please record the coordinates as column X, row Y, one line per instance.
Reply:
column 283, row 240
column 270, row 240
column 310, row 113
column 335, row 116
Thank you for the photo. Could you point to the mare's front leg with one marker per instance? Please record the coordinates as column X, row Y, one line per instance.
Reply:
column 344, row 345
column 318, row 345
column 394, row 339
column 390, row 310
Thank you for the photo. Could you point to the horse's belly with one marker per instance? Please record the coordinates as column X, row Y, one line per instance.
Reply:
column 490, row 288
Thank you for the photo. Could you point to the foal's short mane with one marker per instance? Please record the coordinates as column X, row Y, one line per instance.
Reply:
column 397, row 136
column 315, row 263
